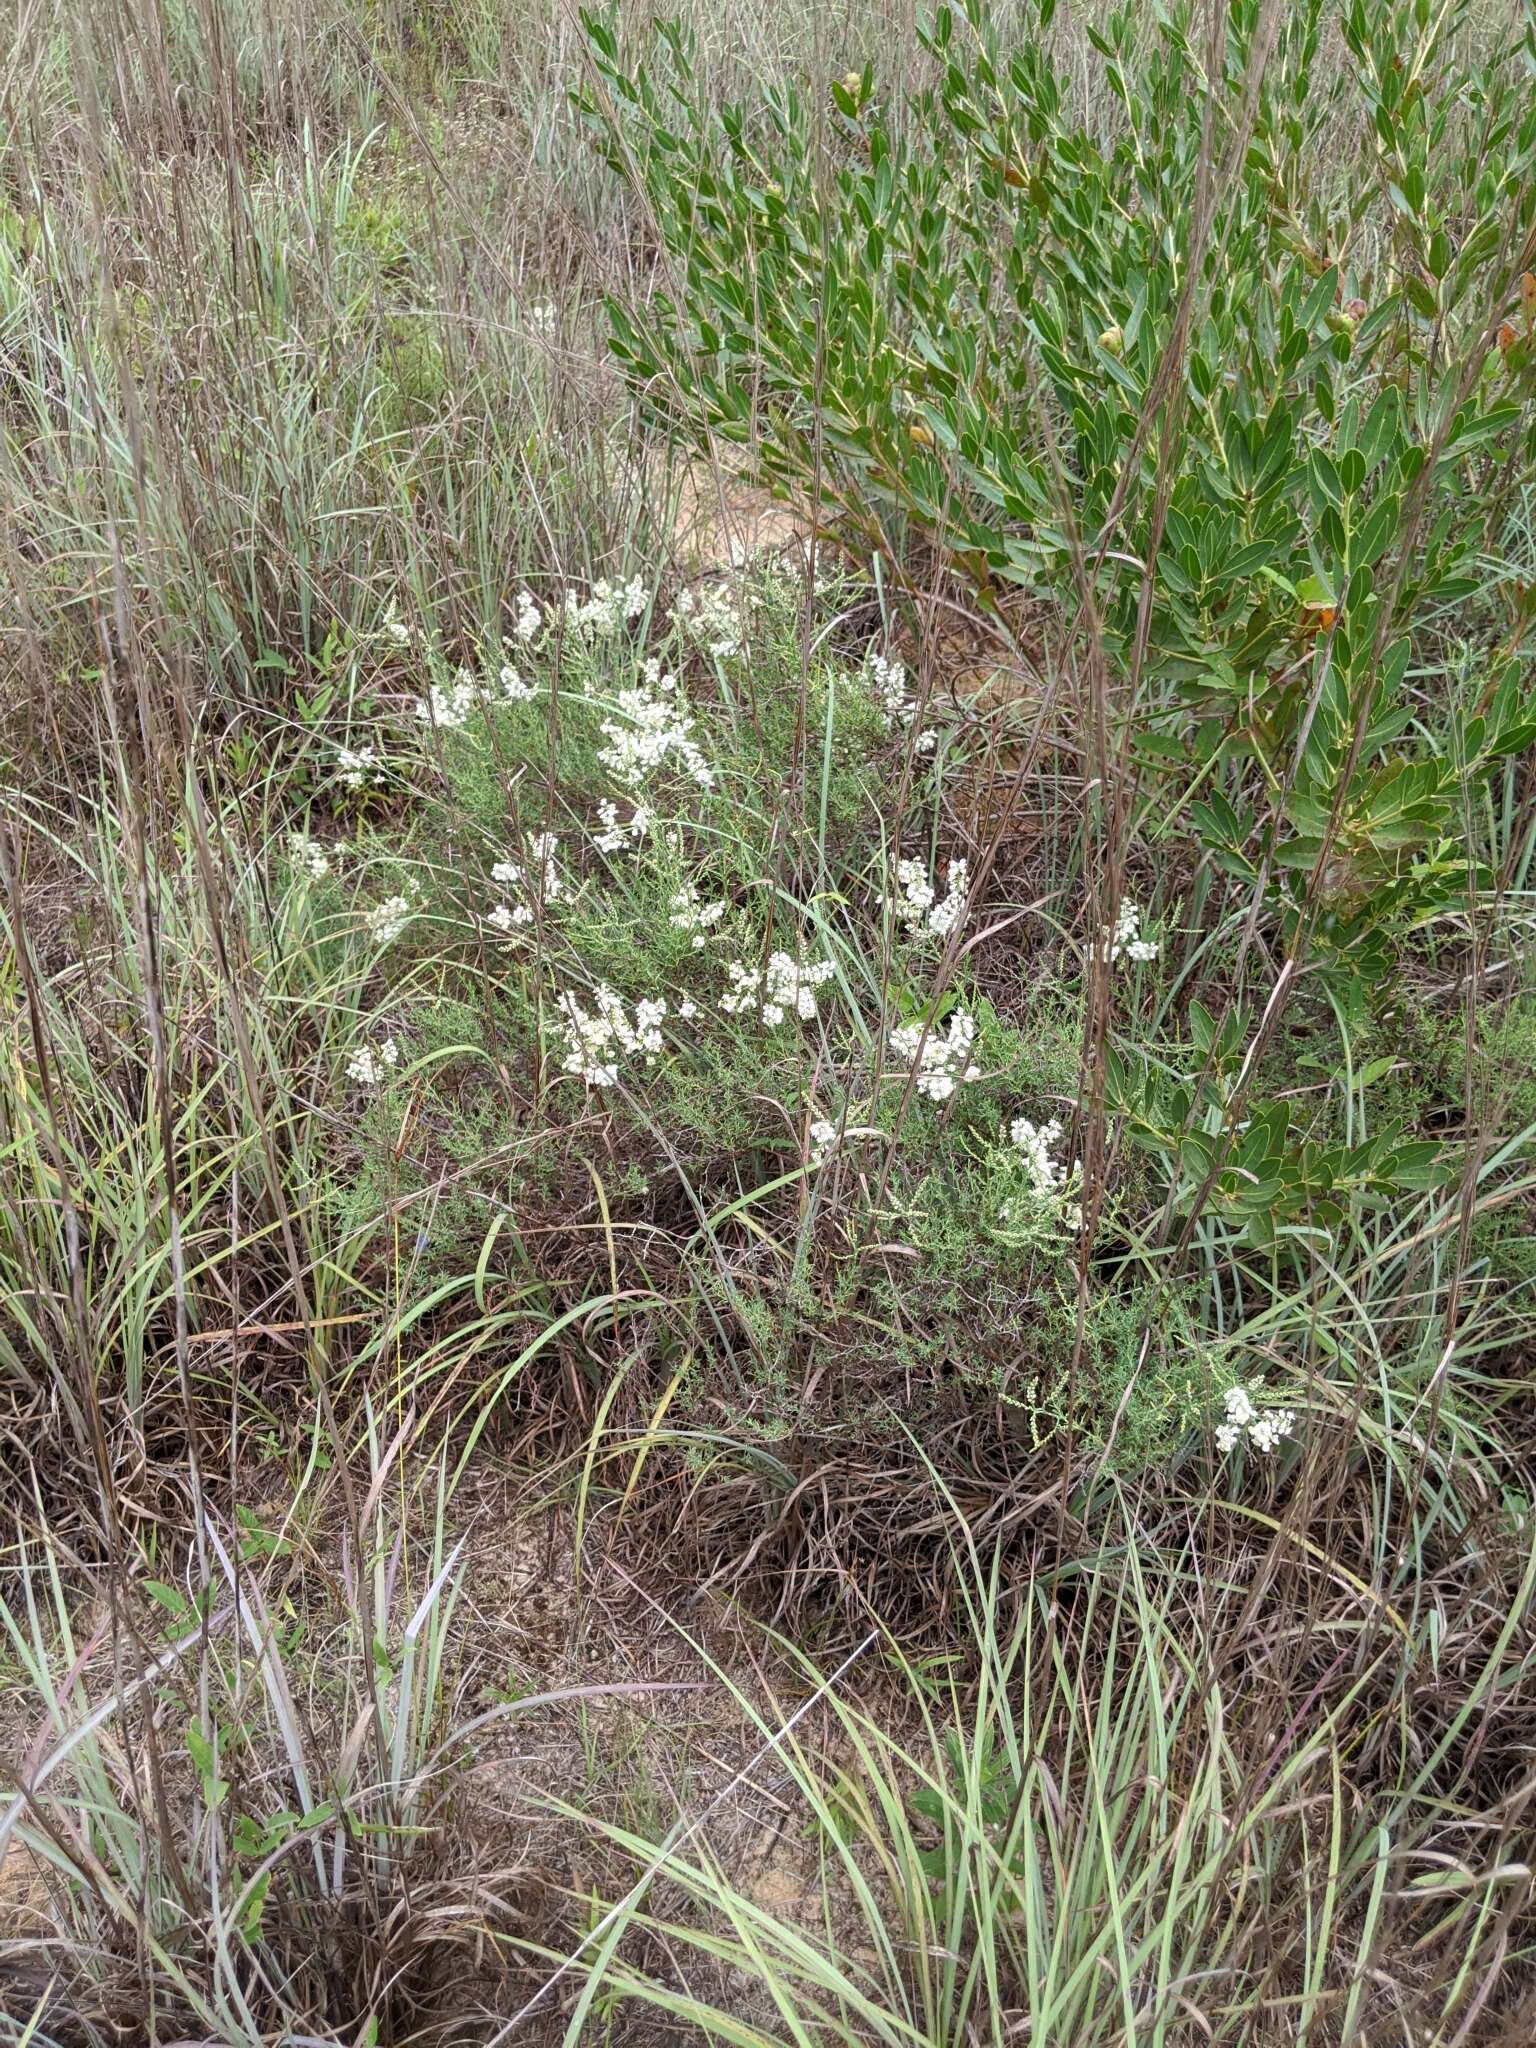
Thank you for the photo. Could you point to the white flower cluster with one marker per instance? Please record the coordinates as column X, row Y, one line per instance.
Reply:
column 785, row 986
column 918, row 906
column 1125, row 941
column 370, row 1063
column 617, row 838
column 1264, row 1427
column 394, row 629
column 449, row 708
column 539, row 881
column 610, row 608
column 387, row 920
column 1051, row 1181
column 1048, row 1177
column 656, row 726
column 888, row 680
column 597, row 1040
column 689, row 914
column 310, row 855
column 511, row 687
column 529, row 622
column 711, row 619
column 542, row 850
column 823, row 1135
column 940, row 1061
column 358, row 767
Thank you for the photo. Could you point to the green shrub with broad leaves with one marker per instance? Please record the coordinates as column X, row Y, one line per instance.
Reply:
column 1260, row 452
column 1238, row 380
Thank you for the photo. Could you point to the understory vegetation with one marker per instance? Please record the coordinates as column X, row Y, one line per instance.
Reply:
column 768, row 1119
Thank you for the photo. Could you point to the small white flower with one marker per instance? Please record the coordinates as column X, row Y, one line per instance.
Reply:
column 949, row 915
column 539, row 880
column 917, row 894
column 1269, row 1428
column 394, row 629
column 387, row 920
column 542, row 318
column 543, row 846
column 449, row 708
column 513, row 688
column 823, row 1136
column 687, row 1009
column 370, row 1063
column 511, row 918
column 1239, row 1406
column 542, row 849
column 310, row 855
column 1050, row 1180
column 888, row 680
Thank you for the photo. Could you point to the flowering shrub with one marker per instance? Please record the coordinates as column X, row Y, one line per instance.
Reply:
column 679, row 987
column 604, row 894
column 818, row 1069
